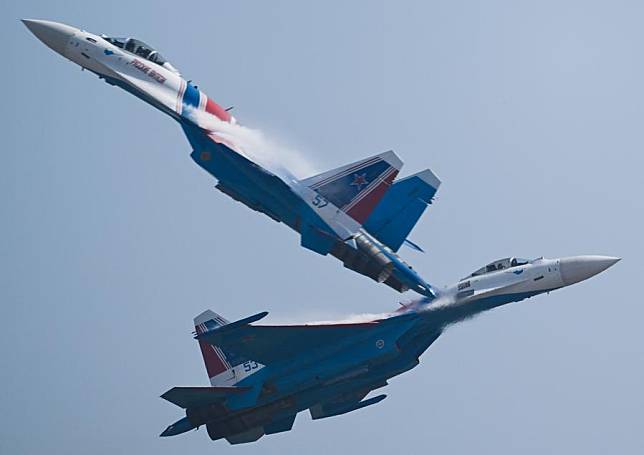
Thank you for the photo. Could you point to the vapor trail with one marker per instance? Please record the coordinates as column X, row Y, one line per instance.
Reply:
column 265, row 151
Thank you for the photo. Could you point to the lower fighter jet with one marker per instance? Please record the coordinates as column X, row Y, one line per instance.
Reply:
column 357, row 213
column 261, row 376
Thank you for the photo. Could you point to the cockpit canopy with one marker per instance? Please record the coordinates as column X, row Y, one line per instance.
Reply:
column 500, row 264
column 141, row 49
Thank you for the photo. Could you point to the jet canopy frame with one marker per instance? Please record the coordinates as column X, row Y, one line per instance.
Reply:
column 500, row 264
column 140, row 48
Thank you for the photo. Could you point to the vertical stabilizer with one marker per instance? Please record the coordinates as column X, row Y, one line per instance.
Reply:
column 400, row 209
column 213, row 357
column 224, row 367
column 357, row 188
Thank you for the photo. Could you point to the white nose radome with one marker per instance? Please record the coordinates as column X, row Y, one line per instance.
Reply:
column 579, row 268
column 53, row 34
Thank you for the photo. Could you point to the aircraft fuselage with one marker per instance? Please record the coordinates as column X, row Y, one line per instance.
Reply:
column 275, row 192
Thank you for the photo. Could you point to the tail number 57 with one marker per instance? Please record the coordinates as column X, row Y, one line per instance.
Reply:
column 319, row 201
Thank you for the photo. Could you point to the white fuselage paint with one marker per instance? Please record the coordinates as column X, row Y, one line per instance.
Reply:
column 235, row 374
column 157, row 82
column 519, row 279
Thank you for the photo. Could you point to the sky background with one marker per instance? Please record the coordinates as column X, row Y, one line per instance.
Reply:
column 112, row 239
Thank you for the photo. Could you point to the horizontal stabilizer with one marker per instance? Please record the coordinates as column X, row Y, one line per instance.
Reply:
column 401, row 207
column 180, row 426
column 191, row 397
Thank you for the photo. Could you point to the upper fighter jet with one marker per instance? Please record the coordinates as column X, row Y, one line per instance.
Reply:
column 358, row 213
column 261, row 376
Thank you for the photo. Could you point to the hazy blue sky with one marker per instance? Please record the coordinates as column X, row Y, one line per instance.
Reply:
column 112, row 239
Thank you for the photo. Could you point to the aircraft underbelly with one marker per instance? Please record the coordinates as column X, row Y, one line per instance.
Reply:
column 243, row 180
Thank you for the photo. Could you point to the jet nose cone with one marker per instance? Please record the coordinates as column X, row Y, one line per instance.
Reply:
column 53, row 34
column 579, row 268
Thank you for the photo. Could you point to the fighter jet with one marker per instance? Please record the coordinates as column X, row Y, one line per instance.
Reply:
column 358, row 213
column 262, row 376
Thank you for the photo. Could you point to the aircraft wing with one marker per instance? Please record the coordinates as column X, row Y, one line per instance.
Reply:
column 267, row 344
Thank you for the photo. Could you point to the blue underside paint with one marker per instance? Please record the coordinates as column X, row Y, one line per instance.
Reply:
column 254, row 186
column 450, row 314
column 409, row 276
column 315, row 239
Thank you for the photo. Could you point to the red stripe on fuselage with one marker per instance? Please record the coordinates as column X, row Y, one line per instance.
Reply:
column 216, row 110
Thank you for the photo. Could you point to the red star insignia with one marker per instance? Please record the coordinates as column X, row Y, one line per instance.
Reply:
column 359, row 180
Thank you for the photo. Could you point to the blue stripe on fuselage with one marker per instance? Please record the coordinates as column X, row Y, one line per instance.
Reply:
column 191, row 95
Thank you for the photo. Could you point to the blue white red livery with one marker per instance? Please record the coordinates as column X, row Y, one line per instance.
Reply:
column 358, row 213
column 262, row 376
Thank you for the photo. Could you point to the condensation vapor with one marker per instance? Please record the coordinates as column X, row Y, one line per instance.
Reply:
column 255, row 145
column 349, row 319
